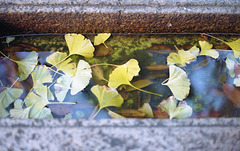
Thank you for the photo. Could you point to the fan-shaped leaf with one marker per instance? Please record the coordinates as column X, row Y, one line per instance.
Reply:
column 26, row 66
column 146, row 108
column 18, row 111
column 62, row 86
column 106, row 96
column 178, row 82
column 82, row 77
column 78, row 44
column 41, row 74
column 45, row 113
column 206, row 49
column 235, row 46
column 65, row 66
column 230, row 63
column 101, row 38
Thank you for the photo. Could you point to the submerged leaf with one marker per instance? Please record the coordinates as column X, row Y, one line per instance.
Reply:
column 178, row 82
column 206, row 49
column 78, row 44
column 106, row 96
column 9, row 39
column 232, row 93
column 65, row 66
column 18, row 111
column 146, row 108
column 62, row 86
column 182, row 57
column 174, row 111
column 82, row 77
column 26, row 66
column 131, row 113
column 41, row 75
column 123, row 74
column 8, row 96
column 101, row 38
column 114, row 115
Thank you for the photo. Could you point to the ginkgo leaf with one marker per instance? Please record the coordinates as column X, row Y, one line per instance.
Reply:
column 235, row 46
column 26, row 66
column 45, row 114
column 82, row 77
column 68, row 116
column 174, row 111
column 194, row 50
column 9, row 39
column 146, row 108
column 206, row 49
column 107, row 96
column 236, row 81
column 178, row 82
column 230, row 63
column 41, row 74
column 78, row 44
column 18, row 111
column 62, row 86
column 182, row 57
column 65, row 66
column 123, row 74
column 101, row 38
column 114, row 115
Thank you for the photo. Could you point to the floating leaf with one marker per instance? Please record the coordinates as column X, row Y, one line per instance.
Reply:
column 123, row 74
column 8, row 96
column 65, row 66
column 9, row 39
column 230, row 63
column 18, row 111
column 62, row 86
column 157, row 67
column 45, row 114
column 131, row 113
column 82, row 77
column 78, row 44
column 41, row 74
column 174, row 111
column 114, row 115
column 235, row 46
column 146, row 108
column 232, row 93
column 139, row 84
column 236, row 81
column 98, row 74
column 206, row 49
column 106, row 96
column 178, row 82
column 26, row 66
column 101, row 38
column 181, row 58
column 103, row 50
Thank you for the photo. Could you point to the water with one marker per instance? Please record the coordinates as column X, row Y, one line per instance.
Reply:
column 207, row 75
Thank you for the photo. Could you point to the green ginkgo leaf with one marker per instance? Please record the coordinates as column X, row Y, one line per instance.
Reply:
column 78, row 44
column 182, row 57
column 82, row 77
column 101, row 38
column 62, row 86
column 178, row 82
column 65, row 66
column 123, row 74
column 174, row 111
column 41, row 74
column 26, row 66
column 18, row 111
column 107, row 96
column 8, row 96
column 206, row 49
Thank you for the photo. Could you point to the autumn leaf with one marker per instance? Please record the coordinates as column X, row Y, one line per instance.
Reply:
column 178, row 82
column 78, row 44
column 41, row 74
column 139, row 84
column 62, row 86
column 114, row 115
column 235, row 46
column 206, row 49
column 232, row 93
column 101, row 38
column 18, row 111
column 146, row 108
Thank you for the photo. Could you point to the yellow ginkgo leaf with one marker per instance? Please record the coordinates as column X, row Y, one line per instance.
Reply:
column 236, row 81
column 230, row 63
column 101, row 38
column 78, row 44
column 114, row 115
column 82, row 77
column 18, row 111
column 174, row 111
column 26, row 66
column 41, row 74
column 206, row 49
column 178, row 82
column 182, row 57
column 107, row 96
column 123, row 74
column 62, row 86
column 235, row 46
column 8, row 96
column 146, row 108
column 65, row 66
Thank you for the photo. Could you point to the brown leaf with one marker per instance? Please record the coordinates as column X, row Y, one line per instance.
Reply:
column 221, row 47
column 29, row 46
column 101, row 50
column 232, row 93
column 13, row 49
column 98, row 75
column 157, row 67
column 208, row 114
column 159, row 114
column 139, row 84
column 236, row 69
column 131, row 113
column 60, row 109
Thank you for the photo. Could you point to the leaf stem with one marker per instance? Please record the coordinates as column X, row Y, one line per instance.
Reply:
column 95, row 114
column 7, row 56
column 60, row 61
column 145, row 91
column 55, row 72
column 215, row 38
column 1, row 83
column 94, row 111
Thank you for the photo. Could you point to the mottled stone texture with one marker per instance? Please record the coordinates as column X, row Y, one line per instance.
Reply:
column 129, row 134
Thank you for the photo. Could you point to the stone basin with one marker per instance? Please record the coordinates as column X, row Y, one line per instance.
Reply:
column 120, row 16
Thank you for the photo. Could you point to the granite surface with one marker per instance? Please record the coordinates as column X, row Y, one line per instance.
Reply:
column 117, row 134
